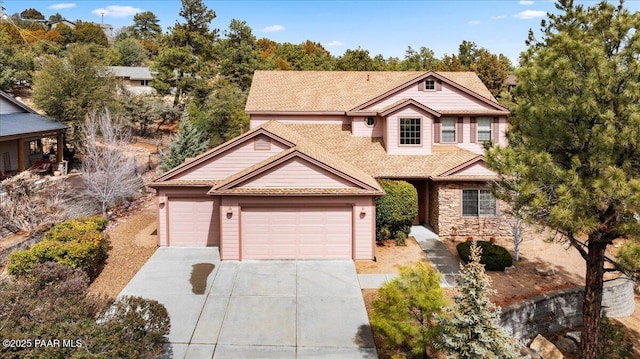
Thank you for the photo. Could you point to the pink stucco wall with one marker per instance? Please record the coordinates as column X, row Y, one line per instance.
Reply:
column 232, row 161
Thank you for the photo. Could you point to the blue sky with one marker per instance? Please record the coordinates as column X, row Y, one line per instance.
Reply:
column 382, row 27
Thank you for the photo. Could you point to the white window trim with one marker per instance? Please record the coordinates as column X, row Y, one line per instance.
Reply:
column 420, row 136
column 495, row 204
column 430, row 89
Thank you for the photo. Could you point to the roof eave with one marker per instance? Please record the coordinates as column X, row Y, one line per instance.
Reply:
column 462, row 179
column 267, row 112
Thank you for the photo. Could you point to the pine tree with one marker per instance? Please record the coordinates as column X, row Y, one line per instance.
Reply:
column 184, row 64
column 469, row 328
column 404, row 311
column 574, row 135
column 188, row 143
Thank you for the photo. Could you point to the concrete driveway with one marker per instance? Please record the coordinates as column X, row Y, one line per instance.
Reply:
column 256, row 309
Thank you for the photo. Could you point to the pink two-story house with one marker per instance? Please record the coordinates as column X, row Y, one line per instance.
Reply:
column 301, row 183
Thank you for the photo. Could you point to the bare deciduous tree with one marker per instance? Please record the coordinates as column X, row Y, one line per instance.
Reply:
column 31, row 203
column 107, row 170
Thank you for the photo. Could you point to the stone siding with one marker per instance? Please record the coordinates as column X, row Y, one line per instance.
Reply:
column 553, row 312
column 446, row 214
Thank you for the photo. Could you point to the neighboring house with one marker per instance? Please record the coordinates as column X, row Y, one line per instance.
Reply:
column 302, row 182
column 106, row 28
column 137, row 80
column 511, row 82
column 53, row 25
column 21, row 134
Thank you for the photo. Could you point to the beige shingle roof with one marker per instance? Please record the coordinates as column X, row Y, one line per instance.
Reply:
column 305, row 147
column 337, row 91
column 370, row 155
column 300, row 90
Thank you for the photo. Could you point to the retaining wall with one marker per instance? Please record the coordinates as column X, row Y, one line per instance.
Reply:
column 552, row 312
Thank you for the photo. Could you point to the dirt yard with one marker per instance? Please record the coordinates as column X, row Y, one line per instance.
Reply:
column 133, row 240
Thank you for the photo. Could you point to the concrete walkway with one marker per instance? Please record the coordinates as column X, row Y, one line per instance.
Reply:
column 256, row 309
column 439, row 256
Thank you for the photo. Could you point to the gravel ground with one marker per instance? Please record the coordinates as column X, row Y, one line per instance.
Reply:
column 133, row 240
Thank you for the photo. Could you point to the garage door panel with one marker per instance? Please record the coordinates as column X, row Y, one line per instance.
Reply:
column 296, row 233
column 194, row 222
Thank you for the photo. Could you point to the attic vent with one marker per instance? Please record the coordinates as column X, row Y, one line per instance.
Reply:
column 262, row 143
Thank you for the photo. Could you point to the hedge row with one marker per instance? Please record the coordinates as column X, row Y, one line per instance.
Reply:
column 77, row 243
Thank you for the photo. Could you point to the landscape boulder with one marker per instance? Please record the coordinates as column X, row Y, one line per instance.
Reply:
column 545, row 348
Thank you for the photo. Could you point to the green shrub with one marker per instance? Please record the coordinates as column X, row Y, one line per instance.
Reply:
column 397, row 209
column 403, row 312
column 75, row 243
column 401, row 239
column 71, row 229
column 629, row 255
column 494, row 257
column 136, row 325
column 52, row 302
column 383, row 234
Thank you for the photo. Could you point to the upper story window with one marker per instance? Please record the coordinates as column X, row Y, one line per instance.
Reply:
column 448, row 126
column 144, row 82
column 484, row 129
column 370, row 121
column 410, row 131
column 478, row 203
column 429, row 85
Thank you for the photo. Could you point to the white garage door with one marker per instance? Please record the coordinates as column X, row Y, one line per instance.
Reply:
column 193, row 222
column 296, row 233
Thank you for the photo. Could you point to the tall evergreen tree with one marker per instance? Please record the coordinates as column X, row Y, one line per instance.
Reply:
column 188, row 143
column 238, row 54
column 469, row 328
column 146, row 25
column 185, row 61
column 575, row 131
column 491, row 70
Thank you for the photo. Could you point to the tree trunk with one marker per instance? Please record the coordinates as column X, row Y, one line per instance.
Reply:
column 593, row 296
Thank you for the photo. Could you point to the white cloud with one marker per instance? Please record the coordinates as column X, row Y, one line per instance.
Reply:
column 273, row 28
column 474, row 22
column 62, row 6
column 334, row 43
column 530, row 14
column 498, row 17
column 117, row 11
column 526, row 2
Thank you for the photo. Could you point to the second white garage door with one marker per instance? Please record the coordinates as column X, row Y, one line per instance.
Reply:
column 194, row 222
column 296, row 233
